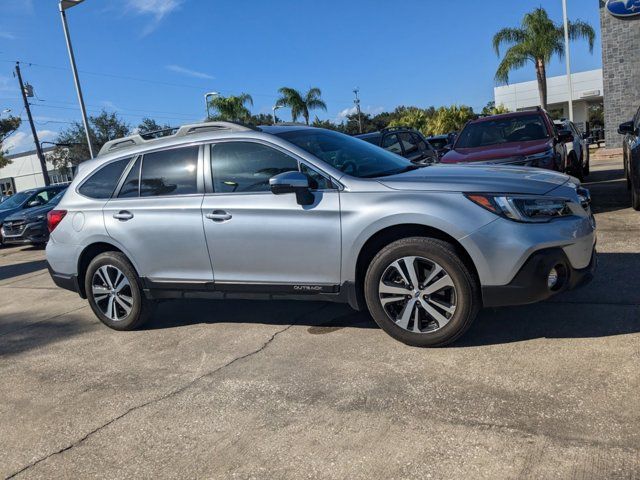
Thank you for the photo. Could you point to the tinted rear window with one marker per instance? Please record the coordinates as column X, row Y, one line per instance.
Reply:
column 503, row 130
column 169, row 172
column 102, row 183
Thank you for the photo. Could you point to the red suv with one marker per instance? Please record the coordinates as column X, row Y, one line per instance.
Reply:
column 527, row 138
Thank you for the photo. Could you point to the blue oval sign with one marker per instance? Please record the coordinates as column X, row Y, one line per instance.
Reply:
column 623, row 8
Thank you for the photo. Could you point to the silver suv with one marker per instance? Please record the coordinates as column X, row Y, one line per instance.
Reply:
column 222, row 210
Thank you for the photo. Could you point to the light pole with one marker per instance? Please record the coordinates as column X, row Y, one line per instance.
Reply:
column 275, row 108
column 206, row 101
column 357, row 102
column 568, row 57
column 65, row 5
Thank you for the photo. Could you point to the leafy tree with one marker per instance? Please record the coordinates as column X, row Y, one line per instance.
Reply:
column 300, row 104
column 328, row 124
column 537, row 40
column 72, row 142
column 232, row 108
column 261, row 119
column 148, row 125
column 413, row 117
column 491, row 109
column 7, row 127
column 596, row 115
column 449, row 119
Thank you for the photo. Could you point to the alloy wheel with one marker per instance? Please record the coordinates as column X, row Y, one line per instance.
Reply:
column 417, row 294
column 112, row 292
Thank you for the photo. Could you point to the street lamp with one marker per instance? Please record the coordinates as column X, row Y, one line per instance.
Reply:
column 206, row 101
column 568, row 57
column 65, row 5
column 276, row 107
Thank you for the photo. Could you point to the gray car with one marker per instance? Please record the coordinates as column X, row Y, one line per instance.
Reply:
column 221, row 210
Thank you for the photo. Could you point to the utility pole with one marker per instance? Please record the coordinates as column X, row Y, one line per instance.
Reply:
column 23, row 90
column 568, row 57
column 357, row 102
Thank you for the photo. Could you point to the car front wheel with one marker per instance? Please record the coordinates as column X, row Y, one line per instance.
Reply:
column 420, row 292
column 115, row 292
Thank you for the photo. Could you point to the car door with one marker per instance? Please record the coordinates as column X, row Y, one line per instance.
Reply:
column 155, row 215
column 634, row 151
column 391, row 142
column 264, row 242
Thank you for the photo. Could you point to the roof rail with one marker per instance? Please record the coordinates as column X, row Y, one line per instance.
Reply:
column 185, row 130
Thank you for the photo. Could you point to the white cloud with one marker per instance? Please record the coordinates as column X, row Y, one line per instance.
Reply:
column 350, row 111
column 157, row 8
column 23, row 141
column 188, row 72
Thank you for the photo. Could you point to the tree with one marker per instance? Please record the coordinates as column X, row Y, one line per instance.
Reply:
column 300, row 104
column 449, row 119
column 491, row 109
column 72, row 142
column 328, row 124
column 413, row 117
column 7, row 127
column 261, row 119
column 149, row 125
column 232, row 108
column 537, row 40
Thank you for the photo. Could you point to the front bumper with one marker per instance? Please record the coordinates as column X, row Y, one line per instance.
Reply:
column 25, row 233
column 530, row 283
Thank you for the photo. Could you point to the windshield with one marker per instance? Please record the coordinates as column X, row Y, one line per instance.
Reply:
column 502, row 130
column 347, row 154
column 15, row 200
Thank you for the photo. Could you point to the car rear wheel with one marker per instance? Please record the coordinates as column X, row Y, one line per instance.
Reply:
column 635, row 195
column 115, row 292
column 420, row 292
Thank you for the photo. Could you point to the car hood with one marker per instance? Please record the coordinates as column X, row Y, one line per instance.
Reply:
column 29, row 213
column 504, row 151
column 8, row 212
column 472, row 178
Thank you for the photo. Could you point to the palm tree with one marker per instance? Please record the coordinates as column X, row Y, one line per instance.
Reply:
column 538, row 39
column 232, row 108
column 301, row 104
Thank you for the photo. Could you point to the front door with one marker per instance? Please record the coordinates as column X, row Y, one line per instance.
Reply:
column 156, row 217
column 266, row 242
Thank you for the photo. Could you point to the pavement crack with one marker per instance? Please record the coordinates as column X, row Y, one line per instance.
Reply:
column 167, row 395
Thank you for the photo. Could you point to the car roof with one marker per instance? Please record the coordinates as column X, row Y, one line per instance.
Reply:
column 521, row 113
column 369, row 135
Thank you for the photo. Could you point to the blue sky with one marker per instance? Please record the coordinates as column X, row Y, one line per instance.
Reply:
column 158, row 57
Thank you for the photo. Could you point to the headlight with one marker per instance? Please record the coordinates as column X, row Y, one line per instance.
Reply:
column 522, row 208
column 543, row 159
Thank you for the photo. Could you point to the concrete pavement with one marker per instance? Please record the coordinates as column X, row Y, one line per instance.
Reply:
column 282, row 389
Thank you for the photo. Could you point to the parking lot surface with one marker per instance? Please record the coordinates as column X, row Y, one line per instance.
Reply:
column 284, row 389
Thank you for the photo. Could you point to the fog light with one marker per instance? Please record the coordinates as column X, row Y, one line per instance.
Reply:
column 552, row 279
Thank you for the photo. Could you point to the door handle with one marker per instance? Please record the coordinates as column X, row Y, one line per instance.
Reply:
column 123, row 215
column 219, row 216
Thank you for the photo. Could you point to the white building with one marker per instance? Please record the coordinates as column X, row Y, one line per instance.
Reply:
column 24, row 172
column 587, row 90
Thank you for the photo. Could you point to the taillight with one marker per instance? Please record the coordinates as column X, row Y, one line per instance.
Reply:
column 54, row 217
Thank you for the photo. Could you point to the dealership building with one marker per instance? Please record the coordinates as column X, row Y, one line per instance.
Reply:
column 616, row 86
column 24, row 172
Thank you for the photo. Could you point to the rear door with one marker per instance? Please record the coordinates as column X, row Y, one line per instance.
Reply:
column 155, row 215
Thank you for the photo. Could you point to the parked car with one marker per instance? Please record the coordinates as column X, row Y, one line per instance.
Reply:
column 577, row 150
column 36, row 197
column 4, row 197
column 29, row 226
column 408, row 142
column 527, row 138
column 220, row 209
column 441, row 143
column 631, row 148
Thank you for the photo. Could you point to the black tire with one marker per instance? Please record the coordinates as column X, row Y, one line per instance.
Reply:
column 467, row 291
column 635, row 195
column 140, row 308
column 575, row 168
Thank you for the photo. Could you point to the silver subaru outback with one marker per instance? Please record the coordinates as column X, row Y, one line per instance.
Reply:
column 220, row 210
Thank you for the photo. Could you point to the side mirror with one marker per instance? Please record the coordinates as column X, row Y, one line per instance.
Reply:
column 292, row 182
column 626, row 128
column 565, row 136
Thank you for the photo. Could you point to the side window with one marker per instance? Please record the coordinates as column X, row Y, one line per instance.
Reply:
column 131, row 186
column 409, row 143
column 423, row 147
column 169, row 172
column 247, row 166
column 318, row 181
column 391, row 143
column 101, row 184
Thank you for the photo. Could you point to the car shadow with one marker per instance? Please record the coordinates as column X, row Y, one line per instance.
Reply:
column 608, row 190
column 18, row 269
